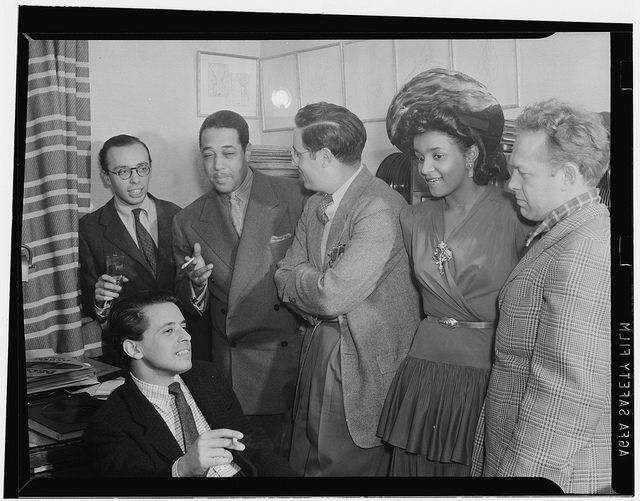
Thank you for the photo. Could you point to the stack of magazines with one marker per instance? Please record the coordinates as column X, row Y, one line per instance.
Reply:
column 273, row 160
column 58, row 371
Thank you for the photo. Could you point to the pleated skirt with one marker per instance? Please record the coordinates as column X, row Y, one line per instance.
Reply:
column 430, row 417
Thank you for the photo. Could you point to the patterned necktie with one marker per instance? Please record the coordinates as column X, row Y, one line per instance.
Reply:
column 322, row 208
column 236, row 213
column 190, row 430
column 145, row 241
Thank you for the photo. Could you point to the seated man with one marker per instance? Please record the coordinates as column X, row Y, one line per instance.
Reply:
column 148, row 427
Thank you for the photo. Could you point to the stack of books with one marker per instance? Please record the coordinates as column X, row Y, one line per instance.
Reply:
column 58, row 371
column 273, row 160
column 508, row 136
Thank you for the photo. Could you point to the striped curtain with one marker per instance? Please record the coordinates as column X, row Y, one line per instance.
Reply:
column 56, row 194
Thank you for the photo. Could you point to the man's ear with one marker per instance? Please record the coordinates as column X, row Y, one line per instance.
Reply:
column 570, row 175
column 105, row 178
column 247, row 153
column 130, row 347
column 326, row 157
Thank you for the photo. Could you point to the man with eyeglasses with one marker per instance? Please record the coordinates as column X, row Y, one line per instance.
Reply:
column 347, row 273
column 133, row 224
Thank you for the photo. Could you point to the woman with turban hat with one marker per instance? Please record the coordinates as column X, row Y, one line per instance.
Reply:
column 463, row 243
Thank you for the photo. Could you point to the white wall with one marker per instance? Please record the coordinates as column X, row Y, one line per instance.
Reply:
column 148, row 89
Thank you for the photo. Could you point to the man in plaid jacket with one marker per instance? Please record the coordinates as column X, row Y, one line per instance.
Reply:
column 548, row 406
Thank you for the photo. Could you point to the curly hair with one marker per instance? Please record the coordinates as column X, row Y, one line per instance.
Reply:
column 326, row 125
column 574, row 134
column 422, row 118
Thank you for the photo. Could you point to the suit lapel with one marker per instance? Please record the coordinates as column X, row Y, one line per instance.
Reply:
column 339, row 221
column 118, row 235
column 215, row 230
column 156, row 430
column 315, row 229
column 264, row 212
column 165, row 251
column 204, row 391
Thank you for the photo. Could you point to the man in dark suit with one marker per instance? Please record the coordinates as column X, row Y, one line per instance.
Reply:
column 119, row 227
column 172, row 417
column 347, row 273
column 236, row 234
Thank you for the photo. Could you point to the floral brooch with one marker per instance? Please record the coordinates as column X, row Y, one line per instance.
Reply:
column 441, row 255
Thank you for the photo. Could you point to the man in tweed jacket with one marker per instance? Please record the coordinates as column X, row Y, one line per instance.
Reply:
column 548, row 405
column 348, row 274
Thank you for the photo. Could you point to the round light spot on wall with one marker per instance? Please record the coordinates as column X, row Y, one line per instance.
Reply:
column 281, row 98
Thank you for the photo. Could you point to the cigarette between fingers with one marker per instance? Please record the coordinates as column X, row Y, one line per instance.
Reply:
column 188, row 263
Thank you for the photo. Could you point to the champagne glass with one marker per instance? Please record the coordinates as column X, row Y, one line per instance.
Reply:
column 115, row 269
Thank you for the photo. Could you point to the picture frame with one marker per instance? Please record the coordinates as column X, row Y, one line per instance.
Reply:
column 280, row 86
column 492, row 62
column 227, row 82
column 370, row 78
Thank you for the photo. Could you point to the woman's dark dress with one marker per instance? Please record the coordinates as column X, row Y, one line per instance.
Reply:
column 432, row 407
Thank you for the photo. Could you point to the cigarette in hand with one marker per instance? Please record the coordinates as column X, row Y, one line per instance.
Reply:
column 188, row 263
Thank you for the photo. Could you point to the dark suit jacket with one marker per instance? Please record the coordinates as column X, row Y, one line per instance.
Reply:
column 102, row 232
column 128, row 438
column 255, row 339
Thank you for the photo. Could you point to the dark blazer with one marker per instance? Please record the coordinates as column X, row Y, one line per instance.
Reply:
column 102, row 232
column 369, row 288
column 129, row 438
column 255, row 340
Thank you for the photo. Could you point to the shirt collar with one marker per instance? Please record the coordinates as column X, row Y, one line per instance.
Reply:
column 339, row 194
column 125, row 210
column 157, row 394
column 555, row 216
column 245, row 188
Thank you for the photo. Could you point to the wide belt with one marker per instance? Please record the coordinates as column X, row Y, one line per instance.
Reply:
column 452, row 323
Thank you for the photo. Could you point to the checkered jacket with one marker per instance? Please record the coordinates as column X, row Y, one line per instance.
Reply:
column 548, row 407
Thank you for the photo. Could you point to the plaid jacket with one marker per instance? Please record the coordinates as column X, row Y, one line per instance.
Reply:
column 548, row 406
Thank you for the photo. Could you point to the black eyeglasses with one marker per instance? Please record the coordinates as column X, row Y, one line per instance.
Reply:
column 126, row 172
column 295, row 155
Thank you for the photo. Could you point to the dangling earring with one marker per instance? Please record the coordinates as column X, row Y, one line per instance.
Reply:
column 470, row 169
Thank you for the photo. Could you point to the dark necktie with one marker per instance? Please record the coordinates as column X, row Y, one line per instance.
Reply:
column 145, row 241
column 236, row 213
column 190, row 430
column 322, row 208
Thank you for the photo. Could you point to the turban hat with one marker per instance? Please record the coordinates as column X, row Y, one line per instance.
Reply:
column 471, row 101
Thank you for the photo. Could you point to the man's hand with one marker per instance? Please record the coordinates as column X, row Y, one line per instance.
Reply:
column 210, row 449
column 107, row 290
column 197, row 270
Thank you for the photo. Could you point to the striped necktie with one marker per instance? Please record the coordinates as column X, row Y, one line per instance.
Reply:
column 145, row 241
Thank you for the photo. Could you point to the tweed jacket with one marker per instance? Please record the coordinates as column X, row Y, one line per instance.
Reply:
column 369, row 288
column 128, row 437
column 548, row 406
column 256, row 341
column 102, row 232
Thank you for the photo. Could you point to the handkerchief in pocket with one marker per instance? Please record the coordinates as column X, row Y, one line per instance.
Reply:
column 276, row 238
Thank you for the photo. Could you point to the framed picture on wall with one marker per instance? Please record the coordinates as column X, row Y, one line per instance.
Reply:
column 280, row 92
column 227, row 82
column 370, row 85
column 321, row 75
column 492, row 62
